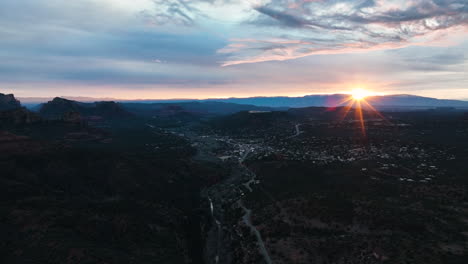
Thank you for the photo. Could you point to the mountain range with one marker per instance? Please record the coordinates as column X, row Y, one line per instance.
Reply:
column 335, row 100
column 70, row 110
column 398, row 101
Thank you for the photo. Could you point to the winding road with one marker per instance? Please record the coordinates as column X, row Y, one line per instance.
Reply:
column 248, row 221
column 297, row 131
column 218, row 225
column 247, row 217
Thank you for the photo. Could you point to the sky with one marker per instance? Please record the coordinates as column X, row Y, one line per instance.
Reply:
column 161, row 49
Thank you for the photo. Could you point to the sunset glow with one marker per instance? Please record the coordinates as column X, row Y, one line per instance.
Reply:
column 170, row 49
column 357, row 101
column 359, row 94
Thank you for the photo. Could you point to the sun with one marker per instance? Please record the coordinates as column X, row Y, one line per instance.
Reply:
column 359, row 94
column 357, row 102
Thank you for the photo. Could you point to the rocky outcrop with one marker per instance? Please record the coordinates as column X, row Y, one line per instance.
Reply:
column 8, row 102
column 63, row 109
column 58, row 108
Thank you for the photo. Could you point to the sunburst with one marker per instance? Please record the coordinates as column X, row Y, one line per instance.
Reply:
column 357, row 99
column 359, row 94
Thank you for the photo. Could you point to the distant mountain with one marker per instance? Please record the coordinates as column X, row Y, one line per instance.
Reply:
column 404, row 100
column 326, row 100
column 334, row 100
column 8, row 102
column 86, row 99
column 60, row 108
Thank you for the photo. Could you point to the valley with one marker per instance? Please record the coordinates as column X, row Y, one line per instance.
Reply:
column 175, row 186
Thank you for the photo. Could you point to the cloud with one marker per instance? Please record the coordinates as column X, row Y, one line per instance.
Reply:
column 180, row 44
column 346, row 26
column 100, row 42
column 449, row 60
column 179, row 12
column 122, row 57
column 183, row 12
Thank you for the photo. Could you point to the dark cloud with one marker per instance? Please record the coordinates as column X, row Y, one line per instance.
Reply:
column 443, row 13
column 352, row 25
column 366, row 4
column 179, row 12
column 291, row 20
column 287, row 19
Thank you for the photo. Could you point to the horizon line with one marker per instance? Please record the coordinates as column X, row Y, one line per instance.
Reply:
column 90, row 98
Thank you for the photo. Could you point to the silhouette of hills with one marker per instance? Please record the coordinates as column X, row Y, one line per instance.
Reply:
column 60, row 107
column 323, row 100
column 8, row 102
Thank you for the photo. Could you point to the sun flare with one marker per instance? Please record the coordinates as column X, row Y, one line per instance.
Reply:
column 357, row 102
column 359, row 94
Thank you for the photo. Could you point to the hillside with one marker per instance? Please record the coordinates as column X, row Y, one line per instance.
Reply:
column 59, row 107
column 198, row 108
column 12, row 113
column 8, row 102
